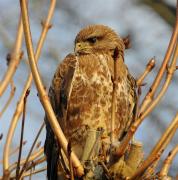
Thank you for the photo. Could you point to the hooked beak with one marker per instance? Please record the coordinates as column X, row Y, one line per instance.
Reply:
column 81, row 47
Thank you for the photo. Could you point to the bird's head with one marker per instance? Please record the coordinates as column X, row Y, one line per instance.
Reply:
column 96, row 39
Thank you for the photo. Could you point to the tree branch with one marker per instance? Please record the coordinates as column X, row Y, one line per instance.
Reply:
column 42, row 93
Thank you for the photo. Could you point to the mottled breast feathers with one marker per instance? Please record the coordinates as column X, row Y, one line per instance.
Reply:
column 81, row 94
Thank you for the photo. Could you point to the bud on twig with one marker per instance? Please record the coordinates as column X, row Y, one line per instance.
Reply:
column 151, row 64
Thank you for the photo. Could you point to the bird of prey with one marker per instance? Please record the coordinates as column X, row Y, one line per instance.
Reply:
column 81, row 92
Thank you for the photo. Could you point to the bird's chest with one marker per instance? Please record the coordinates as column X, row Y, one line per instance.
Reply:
column 91, row 96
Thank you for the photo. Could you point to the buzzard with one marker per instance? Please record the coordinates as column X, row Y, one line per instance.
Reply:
column 81, row 93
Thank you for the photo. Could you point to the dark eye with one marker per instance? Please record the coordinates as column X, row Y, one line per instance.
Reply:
column 92, row 39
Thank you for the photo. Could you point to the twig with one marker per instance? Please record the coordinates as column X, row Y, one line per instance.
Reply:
column 142, row 116
column 170, row 72
column 161, row 144
column 31, row 171
column 34, row 172
column 19, row 107
column 36, row 162
column 42, row 93
column 148, row 98
column 113, row 110
column 167, row 163
column 22, row 133
column 32, row 163
column 38, row 145
column 144, row 167
column 13, row 88
column 31, row 149
column 149, row 67
column 34, row 156
column 16, row 56
column 13, row 151
column 165, row 142
column 69, row 149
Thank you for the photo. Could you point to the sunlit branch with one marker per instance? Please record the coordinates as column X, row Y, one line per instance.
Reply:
column 150, row 95
column 19, row 107
column 145, row 166
column 31, row 149
column 167, row 163
column 13, row 88
column 33, row 156
column 14, row 151
column 170, row 71
column 34, row 172
column 32, row 165
column 149, row 67
column 141, row 117
column 160, row 146
column 15, row 58
column 42, row 93
column 36, row 162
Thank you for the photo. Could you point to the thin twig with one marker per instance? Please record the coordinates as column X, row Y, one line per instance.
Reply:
column 144, row 167
column 148, row 98
column 19, row 107
column 36, row 162
column 13, row 88
column 42, row 93
column 34, row 156
column 113, row 107
column 161, row 144
column 13, row 151
column 149, row 67
column 170, row 71
column 22, row 134
column 31, row 149
column 167, row 163
column 16, row 56
column 34, row 172
column 69, row 149
column 142, row 116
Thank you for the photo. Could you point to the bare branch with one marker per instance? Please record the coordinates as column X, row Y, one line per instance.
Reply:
column 19, row 107
column 167, row 163
column 22, row 134
column 34, row 156
column 42, row 93
column 34, row 172
column 141, row 117
column 160, row 146
column 31, row 149
column 149, row 67
column 15, row 58
column 13, row 88
column 148, row 98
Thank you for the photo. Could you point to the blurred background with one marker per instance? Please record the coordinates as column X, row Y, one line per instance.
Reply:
column 148, row 22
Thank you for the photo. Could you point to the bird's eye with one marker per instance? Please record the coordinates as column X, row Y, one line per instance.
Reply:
column 92, row 40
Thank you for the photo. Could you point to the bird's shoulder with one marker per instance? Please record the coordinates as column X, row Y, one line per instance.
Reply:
column 63, row 72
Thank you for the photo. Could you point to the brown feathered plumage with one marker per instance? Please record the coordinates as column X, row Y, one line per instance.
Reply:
column 81, row 91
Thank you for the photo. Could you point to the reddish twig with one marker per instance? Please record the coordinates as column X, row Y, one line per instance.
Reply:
column 31, row 149
column 22, row 133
